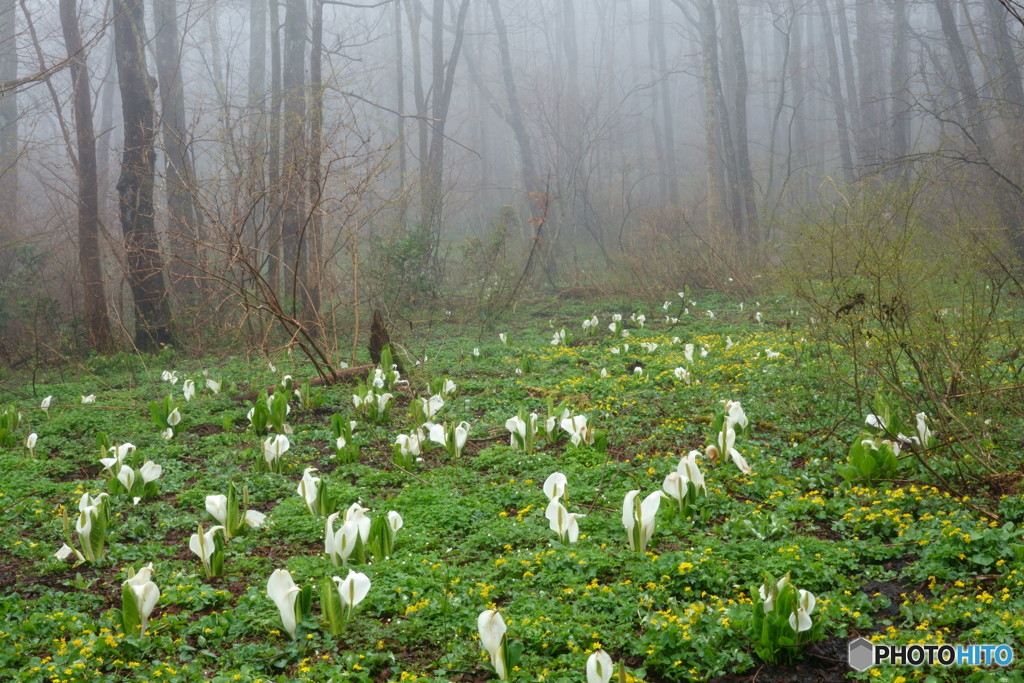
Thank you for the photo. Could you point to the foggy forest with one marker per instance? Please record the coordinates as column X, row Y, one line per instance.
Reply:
column 532, row 340
column 205, row 162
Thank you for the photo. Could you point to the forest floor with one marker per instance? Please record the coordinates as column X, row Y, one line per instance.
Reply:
column 899, row 560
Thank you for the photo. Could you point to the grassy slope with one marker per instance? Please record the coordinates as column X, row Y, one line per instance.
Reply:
column 902, row 561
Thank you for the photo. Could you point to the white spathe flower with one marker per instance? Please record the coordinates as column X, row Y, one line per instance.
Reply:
column 769, row 593
column 91, row 398
column 461, row 436
column 476, row 351
column 174, row 419
column 555, row 485
column 874, row 421
column 169, row 376
column 167, row 434
column 378, row 378
column 726, row 444
column 599, row 665
column 150, row 471
column 395, row 521
column 309, row 489
column 577, row 428
column 448, row 388
column 735, row 414
column 352, row 589
column 45, row 405
column 683, row 375
column 356, row 514
column 757, row 317
column 283, row 591
column 516, row 426
column 688, row 353
column 639, row 520
column 436, row 433
column 274, row 447
column 382, row 402
column 728, row 343
column 213, row 385
column 769, row 354
column 188, row 389
column 688, row 468
column 146, row 593
column 203, row 544
column 432, row 405
column 563, row 522
column 338, row 545
column 126, row 475
column 800, row 619
column 217, row 506
column 30, row 443
column 503, row 338
column 492, row 630
column 924, row 435
column 409, row 444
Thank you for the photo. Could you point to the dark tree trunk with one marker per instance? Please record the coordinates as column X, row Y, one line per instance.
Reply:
column 666, row 151
column 95, row 301
column 744, row 177
column 900, row 75
column 135, row 186
column 183, row 231
column 316, row 134
column 515, row 110
column 872, row 121
column 274, row 269
column 8, row 126
column 836, row 90
column 296, row 161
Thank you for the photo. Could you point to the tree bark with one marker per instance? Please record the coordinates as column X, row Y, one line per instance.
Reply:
column 296, row 160
column 515, row 110
column 97, row 324
column 316, row 134
column 135, row 185
column 274, row 156
column 183, row 230
column 836, row 90
column 8, row 126
column 744, row 176
column 666, row 151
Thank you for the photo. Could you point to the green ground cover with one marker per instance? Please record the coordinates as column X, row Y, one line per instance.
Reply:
column 896, row 560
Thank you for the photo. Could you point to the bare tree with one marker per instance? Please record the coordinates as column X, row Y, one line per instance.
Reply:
column 8, row 118
column 183, row 219
column 135, row 186
column 95, row 309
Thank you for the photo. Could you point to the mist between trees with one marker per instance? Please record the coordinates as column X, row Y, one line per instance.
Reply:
column 210, row 172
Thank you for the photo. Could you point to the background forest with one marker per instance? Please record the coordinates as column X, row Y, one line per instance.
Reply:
column 242, row 165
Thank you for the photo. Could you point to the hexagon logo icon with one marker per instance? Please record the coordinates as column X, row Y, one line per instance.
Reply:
column 861, row 654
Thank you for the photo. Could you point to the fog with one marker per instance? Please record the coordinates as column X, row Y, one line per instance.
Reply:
column 325, row 157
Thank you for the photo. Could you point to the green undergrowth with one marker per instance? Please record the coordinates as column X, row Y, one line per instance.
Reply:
column 899, row 560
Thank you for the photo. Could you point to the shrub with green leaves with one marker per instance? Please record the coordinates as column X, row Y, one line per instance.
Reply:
column 781, row 622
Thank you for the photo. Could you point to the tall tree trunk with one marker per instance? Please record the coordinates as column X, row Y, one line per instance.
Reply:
column 8, row 127
column 274, row 270
column 400, row 100
column 662, row 95
column 316, row 134
column 443, row 83
column 872, row 121
column 1011, row 90
column 135, row 186
column 106, row 131
column 515, row 110
column 183, row 233
column 744, row 176
column 835, row 86
column 900, row 75
column 254, row 173
column 843, row 26
column 97, row 324
column 296, row 160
